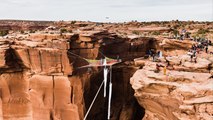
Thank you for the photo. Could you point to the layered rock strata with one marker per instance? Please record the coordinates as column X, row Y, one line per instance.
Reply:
column 182, row 92
column 40, row 78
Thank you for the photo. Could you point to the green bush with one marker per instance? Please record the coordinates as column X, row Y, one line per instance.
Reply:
column 4, row 32
column 32, row 31
column 188, row 34
column 136, row 32
column 175, row 32
column 73, row 22
column 22, row 32
column 176, row 26
column 156, row 33
column 202, row 31
column 63, row 30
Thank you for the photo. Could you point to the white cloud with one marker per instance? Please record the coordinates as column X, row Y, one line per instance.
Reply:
column 117, row 10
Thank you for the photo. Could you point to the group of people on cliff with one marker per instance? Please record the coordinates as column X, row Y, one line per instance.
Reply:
column 202, row 40
column 196, row 48
column 154, row 54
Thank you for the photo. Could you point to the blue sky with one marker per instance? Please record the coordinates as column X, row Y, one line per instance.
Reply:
column 116, row 10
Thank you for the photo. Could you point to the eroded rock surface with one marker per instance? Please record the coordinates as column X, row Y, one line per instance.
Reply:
column 41, row 80
column 184, row 92
column 34, row 81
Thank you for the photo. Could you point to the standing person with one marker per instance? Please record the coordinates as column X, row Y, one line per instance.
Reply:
column 131, row 47
column 89, row 70
column 118, row 58
column 190, row 54
column 206, row 48
column 198, row 51
column 194, row 53
column 153, row 55
column 199, row 45
column 196, row 47
column 194, row 56
column 150, row 53
column 195, row 59
column 192, row 47
column 210, row 42
column 157, row 68
column 161, row 54
column 101, row 61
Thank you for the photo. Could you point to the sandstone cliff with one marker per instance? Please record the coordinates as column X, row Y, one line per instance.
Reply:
column 183, row 93
column 34, row 81
column 40, row 79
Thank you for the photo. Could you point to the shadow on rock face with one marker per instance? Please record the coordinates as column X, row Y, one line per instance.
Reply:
column 124, row 105
column 13, row 61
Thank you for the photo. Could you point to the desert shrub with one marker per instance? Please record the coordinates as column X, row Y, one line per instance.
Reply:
column 73, row 22
column 169, row 26
column 32, row 31
column 175, row 32
column 188, row 34
column 22, row 32
column 135, row 32
column 63, row 30
column 202, row 31
column 156, row 33
column 4, row 32
column 176, row 26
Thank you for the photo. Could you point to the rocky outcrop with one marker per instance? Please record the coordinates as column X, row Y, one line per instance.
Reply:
column 34, row 81
column 182, row 92
column 151, row 29
column 94, row 43
column 17, row 25
column 173, row 47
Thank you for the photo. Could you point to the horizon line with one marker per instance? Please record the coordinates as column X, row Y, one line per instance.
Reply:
column 40, row 20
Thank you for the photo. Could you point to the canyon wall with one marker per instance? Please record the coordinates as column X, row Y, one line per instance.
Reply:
column 40, row 78
column 34, row 81
column 42, row 75
column 94, row 45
